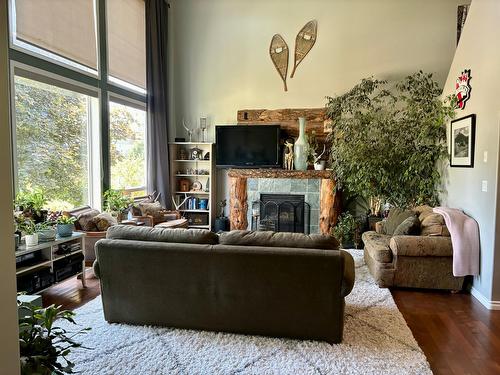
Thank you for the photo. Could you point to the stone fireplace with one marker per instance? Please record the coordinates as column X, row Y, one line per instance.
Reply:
column 281, row 213
column 317, row 188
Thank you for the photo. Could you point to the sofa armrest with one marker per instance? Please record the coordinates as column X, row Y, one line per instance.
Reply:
column 96, row 269
column 380, row 227
column 418, row 246
column 349, row 273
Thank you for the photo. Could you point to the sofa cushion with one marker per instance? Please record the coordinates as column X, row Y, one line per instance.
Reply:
column 278, row 239
column 410, row 225
column 396, row 217
column 85, row 222
column 377, row 246
column 103, row 221
column 433, row 225
column 178, row 235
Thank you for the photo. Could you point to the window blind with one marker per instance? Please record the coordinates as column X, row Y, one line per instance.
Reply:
column 126, row 24
column 66, row 28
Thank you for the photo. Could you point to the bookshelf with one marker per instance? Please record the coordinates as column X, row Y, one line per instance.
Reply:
column 192, row 181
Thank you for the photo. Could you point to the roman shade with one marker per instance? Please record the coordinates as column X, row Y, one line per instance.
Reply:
column 127, row 40
column 66, row 28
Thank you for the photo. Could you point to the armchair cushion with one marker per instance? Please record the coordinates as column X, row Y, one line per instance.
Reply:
column 433, row 225
column 396, row 217
column 104, row 221
column 419, row 246
column 85, row 221
column 410, row 225
column 377, row 246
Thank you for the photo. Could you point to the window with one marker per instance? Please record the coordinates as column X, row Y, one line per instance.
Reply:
column 59, row 29
column 127, row 147
column 52, row 126
column 127, row 42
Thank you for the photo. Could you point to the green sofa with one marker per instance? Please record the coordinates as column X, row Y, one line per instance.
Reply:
column 262, row 283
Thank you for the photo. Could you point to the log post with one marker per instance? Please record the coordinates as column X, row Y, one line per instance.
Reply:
column 330, row 205
column 238, row 206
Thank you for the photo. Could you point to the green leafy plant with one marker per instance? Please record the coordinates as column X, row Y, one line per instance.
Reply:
column 66, row 219
column 387, row 141
column 117, row 201
column 345, row 229
column 26, row 225
column 44, row 346
column 31, row 201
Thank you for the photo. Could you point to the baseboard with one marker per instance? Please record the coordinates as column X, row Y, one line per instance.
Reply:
column 490, row 305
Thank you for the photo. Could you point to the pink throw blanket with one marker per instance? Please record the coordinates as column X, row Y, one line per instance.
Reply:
column 464, row 233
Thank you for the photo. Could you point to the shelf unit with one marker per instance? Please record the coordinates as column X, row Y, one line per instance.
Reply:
column 47, row 254
column 189, row 169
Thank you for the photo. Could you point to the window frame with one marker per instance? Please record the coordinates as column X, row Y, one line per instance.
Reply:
column 106, row 88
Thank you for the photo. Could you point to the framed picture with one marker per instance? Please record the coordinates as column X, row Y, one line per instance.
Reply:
column 463, row 134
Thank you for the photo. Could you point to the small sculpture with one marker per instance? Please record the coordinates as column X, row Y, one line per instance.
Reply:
column 288, row 162
column 222, row 205
column 189, row 131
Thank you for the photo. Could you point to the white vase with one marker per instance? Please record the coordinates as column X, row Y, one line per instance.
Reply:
column 300, row 147
column 31, row 239
column 320, row 165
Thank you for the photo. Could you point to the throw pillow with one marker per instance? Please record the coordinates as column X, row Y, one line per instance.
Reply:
column 410, row 225
column 104, row 221
column 433, row 225
column 84, row 221
column 396, row 217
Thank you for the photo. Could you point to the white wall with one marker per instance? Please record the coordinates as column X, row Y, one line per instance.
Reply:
column 9, row 344
column 221, row 61
column 479, row 51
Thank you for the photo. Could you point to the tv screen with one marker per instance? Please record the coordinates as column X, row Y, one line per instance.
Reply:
column 247, row 146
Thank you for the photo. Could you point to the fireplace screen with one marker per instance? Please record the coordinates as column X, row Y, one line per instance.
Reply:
column 281, row 213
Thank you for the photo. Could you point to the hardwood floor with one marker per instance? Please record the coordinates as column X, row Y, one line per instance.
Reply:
column 457, row 334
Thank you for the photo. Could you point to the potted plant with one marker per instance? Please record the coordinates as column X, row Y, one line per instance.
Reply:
column 117, row 203
column 312, row 152
column 345, row 230
column 32, row 204
column 387, row 140
column 221, row 221
column 44, row 347
column 65, row 225
column 46, row 231
column 27, row 226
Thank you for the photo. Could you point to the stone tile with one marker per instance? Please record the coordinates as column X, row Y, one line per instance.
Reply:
column 313, row 200
column 314, row 218
column 314, row 229
column 252, row 184
column 298, row 185
column 266, row 185
column 282, row 185
column 313, row 185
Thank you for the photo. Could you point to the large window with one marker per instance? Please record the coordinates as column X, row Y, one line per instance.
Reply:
column 127, row 152
column 52, row 141
column 79, row 79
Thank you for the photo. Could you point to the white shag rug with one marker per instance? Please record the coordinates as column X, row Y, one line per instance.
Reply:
column 376, row 341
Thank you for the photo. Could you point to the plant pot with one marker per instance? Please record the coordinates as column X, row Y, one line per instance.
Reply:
column 31, row 239
column 47, row 235
column 320, row 166
column 64, row 230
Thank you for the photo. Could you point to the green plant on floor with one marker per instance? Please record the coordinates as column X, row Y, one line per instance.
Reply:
column 345, row 229
column 44, row 346
column 32, row 201
column 116, row 201
column 387, row 142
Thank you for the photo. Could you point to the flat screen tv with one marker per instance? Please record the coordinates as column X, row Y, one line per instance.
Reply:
column 248, row 146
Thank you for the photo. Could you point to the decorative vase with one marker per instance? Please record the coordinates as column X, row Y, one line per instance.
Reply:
column 64, row 230
column 300, row 147
column 31, row 239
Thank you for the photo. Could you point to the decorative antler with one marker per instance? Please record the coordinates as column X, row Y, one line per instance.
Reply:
column 316, row 159
column 178, row 206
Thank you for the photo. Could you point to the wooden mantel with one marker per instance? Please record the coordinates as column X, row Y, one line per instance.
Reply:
column 329, row 205
column 277, row 173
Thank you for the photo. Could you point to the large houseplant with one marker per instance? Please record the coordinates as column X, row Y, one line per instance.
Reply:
column 32, row 203
column 387, row 141
column 44, row 347
column 116, row 202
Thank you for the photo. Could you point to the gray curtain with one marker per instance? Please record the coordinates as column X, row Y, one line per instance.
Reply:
column 157, row 87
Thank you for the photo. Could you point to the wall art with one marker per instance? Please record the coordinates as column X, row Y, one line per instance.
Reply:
column 463, row 88
column 278, row 50
column 463, row 134
column 304, row 42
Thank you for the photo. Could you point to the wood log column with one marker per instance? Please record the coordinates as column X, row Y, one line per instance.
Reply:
column 330, row 205
column 238, row 205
